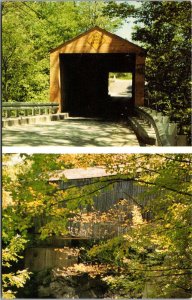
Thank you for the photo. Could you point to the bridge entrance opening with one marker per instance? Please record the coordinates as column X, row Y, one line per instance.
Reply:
column 120, row 85
column 120, row 91
column 85, row 81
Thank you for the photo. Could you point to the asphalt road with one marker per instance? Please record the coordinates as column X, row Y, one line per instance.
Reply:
column 74, row 132
column 120, row 88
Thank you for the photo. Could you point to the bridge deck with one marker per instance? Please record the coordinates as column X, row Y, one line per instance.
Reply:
column 78, row 132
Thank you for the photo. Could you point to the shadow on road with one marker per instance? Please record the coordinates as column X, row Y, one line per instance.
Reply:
column 74, row 132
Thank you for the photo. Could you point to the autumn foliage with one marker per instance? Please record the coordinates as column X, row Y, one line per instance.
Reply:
column 150, row 256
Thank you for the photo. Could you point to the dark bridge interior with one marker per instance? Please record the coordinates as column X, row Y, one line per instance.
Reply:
column 84, row 83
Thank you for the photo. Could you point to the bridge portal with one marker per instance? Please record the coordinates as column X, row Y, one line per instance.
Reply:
column 79, row 72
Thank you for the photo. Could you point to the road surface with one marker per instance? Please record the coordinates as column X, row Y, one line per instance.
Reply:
column 120, row 88
column 74, row 132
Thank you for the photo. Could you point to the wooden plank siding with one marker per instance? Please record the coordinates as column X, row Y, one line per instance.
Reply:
column 107, row 197
column 107, row 200
column 111, row 211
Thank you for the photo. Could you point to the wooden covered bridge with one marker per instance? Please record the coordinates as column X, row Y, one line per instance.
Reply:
column 79, row 72
column 114, row 200
column 82, row 102
column 109, row 215
column 107, row 205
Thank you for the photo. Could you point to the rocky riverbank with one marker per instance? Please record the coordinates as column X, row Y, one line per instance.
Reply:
column 57, row 284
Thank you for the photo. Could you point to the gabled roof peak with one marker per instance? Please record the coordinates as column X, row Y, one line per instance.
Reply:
column 103, row 42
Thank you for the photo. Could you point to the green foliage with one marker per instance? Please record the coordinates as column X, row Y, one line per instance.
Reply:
column 10, row 255
column 125, row 286
column 122, row 9
column 25, row 51
column 11, row 252
column 164, row 29
column 11, row 280
column 155, row 251
column 107, row 251
column 119, row 75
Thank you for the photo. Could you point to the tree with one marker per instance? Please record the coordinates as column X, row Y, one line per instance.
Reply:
column 13, row 240
column 154, row 255
column 25, row 52
column 164, row 29
column 28, row 197
column 121, row 9
column 154, row 249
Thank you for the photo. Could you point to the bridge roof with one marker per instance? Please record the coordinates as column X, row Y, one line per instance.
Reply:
column 98, row 40
column 80, row 173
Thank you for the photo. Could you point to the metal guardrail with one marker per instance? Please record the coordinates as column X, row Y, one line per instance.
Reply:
column 20, row 109
column 166, row 131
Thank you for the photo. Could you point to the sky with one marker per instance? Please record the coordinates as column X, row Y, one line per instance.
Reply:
column 126, row 30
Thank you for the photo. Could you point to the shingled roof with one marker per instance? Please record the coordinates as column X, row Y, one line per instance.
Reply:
column 80, row 173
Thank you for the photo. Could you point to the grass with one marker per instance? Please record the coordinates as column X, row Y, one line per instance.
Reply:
column 125, row 76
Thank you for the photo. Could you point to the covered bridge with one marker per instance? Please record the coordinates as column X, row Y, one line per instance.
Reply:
column 113, row 201
column 79, row 71
column 111, row 215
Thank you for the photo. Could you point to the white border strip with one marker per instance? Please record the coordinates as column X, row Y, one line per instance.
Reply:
column 74, row 150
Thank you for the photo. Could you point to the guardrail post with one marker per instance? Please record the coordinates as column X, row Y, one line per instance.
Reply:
column 165, row 119
column 8, row 113
column 160, row 117
column 166, row 133
column 165, row 123
column 153, row 113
